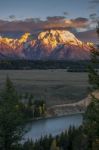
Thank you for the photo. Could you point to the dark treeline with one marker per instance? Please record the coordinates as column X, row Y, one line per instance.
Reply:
column 33, row 109
column 73, row 139
column 30, row 107
column 40, row 64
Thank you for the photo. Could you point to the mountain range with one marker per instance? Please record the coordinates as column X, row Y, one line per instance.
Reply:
column 52, row 44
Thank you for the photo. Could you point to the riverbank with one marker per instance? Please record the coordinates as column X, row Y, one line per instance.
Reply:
column 57, row 111
column 72, row 108
column 58, row 116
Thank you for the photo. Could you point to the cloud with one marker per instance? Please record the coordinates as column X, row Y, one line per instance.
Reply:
column 66, row 23
column 12, row 17
column 65, row 13
column 94, row 1
column 80, row 19
column 80, row 22
column 93, row 15
column 55, row 18
column 93, row 4
column 91, row 7
column 35, row 20
column 89, row 35
column 31, row 24
column 94, row 19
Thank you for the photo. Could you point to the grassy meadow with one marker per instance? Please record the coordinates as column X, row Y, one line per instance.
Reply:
column 55, row 86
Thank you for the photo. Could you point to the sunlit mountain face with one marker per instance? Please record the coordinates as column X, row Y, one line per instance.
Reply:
column 51, row 44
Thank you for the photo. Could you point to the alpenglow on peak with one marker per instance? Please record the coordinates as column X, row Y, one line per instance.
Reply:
column 50, row 44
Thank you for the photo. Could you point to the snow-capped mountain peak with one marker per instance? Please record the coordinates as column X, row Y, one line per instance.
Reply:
column 49, row 44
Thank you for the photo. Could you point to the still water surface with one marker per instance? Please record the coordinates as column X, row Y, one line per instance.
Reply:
column 53, row 126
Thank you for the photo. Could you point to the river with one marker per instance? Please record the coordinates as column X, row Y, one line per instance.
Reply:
column 53, row 126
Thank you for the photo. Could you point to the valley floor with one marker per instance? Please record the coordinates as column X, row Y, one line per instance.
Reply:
column 56, row 87
column 65, row 93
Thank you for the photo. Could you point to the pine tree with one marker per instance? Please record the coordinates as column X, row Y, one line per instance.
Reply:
column 11, row 119
column 91, row 118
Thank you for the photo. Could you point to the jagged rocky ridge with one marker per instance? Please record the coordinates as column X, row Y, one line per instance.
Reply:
column 46, row 45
